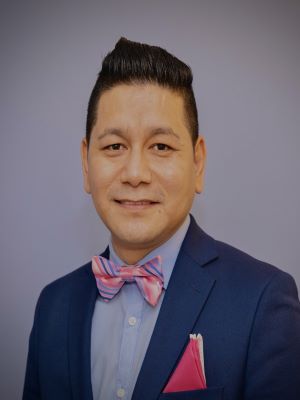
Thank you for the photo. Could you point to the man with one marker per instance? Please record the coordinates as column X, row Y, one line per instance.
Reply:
column 117, row 329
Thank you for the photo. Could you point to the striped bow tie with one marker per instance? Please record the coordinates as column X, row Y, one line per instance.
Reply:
column 111, row 277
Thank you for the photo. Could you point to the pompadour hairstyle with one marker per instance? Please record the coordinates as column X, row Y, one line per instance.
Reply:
column 133, row 62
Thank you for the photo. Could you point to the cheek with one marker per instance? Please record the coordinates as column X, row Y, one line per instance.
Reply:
column 102, row 175
column 177, row 177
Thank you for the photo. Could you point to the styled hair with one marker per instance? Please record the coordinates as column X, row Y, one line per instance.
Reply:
column 132, row 63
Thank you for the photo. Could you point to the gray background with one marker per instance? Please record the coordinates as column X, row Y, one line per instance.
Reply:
column 246, row 62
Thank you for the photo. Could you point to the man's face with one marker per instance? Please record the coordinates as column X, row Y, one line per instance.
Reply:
column 141, row 167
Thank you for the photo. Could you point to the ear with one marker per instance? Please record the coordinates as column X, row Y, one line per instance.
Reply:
column 200, row 161
column 85, row 165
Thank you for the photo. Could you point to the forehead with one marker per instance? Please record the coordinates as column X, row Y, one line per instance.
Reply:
column 140, row 104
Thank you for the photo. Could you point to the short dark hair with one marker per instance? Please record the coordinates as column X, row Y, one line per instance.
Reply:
column 133, row 62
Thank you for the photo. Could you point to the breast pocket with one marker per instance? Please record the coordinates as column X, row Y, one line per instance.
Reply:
column 204, row 394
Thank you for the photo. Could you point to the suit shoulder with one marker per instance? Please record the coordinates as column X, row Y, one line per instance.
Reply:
column 227, row 262
column 64, row 285
column 243, row 264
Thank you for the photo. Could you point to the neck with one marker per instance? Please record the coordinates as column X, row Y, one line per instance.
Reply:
column 132, row 253
column 131, row 256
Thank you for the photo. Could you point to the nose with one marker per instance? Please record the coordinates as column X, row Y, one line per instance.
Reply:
column 136, row 169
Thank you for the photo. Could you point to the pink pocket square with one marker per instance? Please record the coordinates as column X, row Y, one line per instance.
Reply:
column 189, row 373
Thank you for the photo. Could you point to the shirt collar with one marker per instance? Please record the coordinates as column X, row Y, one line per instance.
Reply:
column 168, row 252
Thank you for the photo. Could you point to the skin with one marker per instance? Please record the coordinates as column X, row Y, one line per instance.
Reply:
column 141, row 167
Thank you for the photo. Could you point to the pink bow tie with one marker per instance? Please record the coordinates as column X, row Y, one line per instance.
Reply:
column 111, row 277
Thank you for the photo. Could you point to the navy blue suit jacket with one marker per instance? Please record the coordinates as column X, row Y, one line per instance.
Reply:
column 247, row 311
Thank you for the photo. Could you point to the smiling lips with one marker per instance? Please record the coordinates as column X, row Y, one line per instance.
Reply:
column 136, row 203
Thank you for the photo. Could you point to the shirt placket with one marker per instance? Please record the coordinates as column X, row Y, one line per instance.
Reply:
column 133, row 304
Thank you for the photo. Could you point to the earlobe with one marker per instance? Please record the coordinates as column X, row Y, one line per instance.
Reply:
column 200, row 160
column 84, row 163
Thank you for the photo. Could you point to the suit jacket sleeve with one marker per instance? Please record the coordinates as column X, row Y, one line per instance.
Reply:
column 273, row 364
column 31, row 389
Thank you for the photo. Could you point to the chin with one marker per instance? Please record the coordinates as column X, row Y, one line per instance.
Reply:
column 138, row 237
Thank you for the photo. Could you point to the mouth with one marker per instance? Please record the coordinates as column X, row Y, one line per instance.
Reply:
column 136, row 204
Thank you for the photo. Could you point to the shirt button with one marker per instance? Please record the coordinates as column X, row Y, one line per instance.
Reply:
column 132, row 321
column 121, row 392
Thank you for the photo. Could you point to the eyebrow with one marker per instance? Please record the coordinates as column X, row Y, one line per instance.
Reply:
column 164, row 131
column 153, row 132
column 110, row 131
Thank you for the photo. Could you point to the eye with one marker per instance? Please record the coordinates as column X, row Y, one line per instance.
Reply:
column 162, row 147
column 114, row 147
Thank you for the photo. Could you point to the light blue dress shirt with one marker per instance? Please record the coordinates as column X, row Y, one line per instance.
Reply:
column 122, row 328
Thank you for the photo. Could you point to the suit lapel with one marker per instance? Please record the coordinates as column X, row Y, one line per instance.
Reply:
column 187, row 292
column 82, row 303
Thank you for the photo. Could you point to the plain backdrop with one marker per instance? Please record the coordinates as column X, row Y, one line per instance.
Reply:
column 245, row 57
